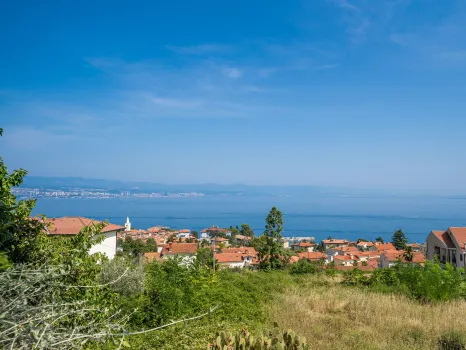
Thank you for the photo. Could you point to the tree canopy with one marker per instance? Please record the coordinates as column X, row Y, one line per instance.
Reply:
column 399, row 240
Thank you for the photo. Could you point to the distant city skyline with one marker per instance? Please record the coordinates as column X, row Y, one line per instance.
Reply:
column 344, row 93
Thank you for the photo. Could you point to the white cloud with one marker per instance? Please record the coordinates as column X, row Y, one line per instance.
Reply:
column 202, row 49
column 233, row 73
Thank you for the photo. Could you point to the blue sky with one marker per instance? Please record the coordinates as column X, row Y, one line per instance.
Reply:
column 352, row 93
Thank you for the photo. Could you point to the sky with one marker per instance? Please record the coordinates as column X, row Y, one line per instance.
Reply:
column 347, row 93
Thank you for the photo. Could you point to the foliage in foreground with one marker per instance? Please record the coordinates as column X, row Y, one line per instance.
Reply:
column 426, row 283
column 273, row 340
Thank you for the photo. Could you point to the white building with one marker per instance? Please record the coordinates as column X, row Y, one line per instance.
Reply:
column 72, row 225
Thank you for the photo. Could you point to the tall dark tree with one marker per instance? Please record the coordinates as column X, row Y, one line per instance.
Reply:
column 234, row 231
column 380, row 240
column 246, row 230
column 399, row 240
column 195, row 234
column 272, row 255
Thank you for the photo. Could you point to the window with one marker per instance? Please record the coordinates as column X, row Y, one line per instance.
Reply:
column 461, row 257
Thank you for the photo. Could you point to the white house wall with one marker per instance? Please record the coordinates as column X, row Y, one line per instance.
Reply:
column 108, row 246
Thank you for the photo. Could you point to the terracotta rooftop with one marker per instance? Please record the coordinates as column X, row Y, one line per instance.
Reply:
column 444, row 237
column 367, row 244
column 304, row 244
column 72, row 225
column 179, row 248
column 240, row 250
column 228, row 257
column 312, row 255
column 385, row 246
column 342, row 257
column 335, row 241
column 460, row 235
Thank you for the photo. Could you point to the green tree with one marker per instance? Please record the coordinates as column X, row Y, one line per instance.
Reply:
column 361, row 240
column 355, row 263
column 195, row 234
column 246, row 230
column 380, row 240
column 272, row 255
column 21, row 238
column 151, row 245
column 408, row 255
column 234, row 231
column 399, row 240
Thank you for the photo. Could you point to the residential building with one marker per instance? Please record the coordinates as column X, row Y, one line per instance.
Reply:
column 384, row 246
column 343, row 260
column 187, row 251
column 366, row 246
column 184, row 234
column 72, row 225
column 304, row 246
column 313, row 256
column 391, row 257
column 448, row 246
column 334, row 243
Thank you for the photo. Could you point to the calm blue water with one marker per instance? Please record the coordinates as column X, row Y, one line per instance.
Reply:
column 349, row 218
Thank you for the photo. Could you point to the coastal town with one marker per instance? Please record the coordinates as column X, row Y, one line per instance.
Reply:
column 231, row 249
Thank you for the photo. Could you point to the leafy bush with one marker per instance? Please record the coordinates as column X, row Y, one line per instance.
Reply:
column 130, row 278
column 426, row 283
column 303, row 266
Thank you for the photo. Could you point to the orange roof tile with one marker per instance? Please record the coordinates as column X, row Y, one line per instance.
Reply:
column 72, row 225
column 179, row 248
column 335, row 241
column 460, row 235
column 228, row 257
column 312, row 255
column 385, row 246
column 444, row 237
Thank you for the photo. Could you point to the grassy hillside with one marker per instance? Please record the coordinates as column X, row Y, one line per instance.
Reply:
column 333, row 316
column 329, row 314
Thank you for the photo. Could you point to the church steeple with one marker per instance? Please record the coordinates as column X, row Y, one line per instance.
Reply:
column 127, row 224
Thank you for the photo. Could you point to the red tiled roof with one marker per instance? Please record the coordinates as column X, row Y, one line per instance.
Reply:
column 72, row 225
column 385, row 246
column 179, row 248
column 368, row 244
column 335, row 241
column 185, row 231
column 228, row 257
column 304, row 244
column 444, row 237
column 240, row 250
column 460, row 235
column 342, row 257
column 312, row 255
column 394, row 255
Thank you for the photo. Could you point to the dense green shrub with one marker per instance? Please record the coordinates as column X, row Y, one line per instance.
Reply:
column 303, row 266
column 129, row 277
column 428, row 283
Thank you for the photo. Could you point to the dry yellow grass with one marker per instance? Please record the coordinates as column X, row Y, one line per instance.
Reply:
column 332, row 316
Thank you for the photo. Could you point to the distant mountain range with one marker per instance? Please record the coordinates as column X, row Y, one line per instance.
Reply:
column 65, row 183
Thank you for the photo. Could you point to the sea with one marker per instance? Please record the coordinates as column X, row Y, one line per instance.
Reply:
column 339, row 217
